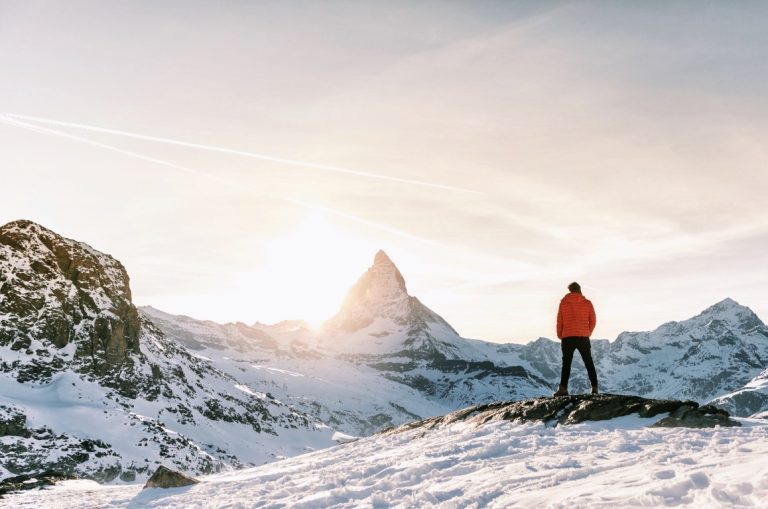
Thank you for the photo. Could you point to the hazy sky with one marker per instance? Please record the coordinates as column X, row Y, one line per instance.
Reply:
column 620, row 144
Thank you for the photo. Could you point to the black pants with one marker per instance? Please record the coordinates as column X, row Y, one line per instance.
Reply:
column 581, row 344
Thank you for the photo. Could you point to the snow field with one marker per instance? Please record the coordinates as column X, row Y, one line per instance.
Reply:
column 618, row 463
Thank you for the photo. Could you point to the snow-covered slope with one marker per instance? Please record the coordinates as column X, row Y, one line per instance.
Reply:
column 95, row 389
column 605, row 464
column 752, row 399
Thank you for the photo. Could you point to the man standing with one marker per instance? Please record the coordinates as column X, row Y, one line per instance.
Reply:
column 575, row 323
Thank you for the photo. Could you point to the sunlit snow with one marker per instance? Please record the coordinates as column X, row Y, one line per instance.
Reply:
column 500, row 464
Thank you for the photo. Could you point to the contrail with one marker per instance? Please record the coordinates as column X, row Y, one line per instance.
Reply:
column 263, row 157
column 229, row 182
column 54, row 132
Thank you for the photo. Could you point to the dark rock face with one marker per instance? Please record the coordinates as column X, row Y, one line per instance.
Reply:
column 575, row 409
column 706, row 416
column 32, row 481
column 56, row 291
column 13, row 423
column 167, row 478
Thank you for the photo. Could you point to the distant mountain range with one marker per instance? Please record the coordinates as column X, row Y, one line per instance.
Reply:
column 94, row 386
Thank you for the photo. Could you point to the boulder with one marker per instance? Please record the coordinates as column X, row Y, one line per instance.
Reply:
column 166, row 478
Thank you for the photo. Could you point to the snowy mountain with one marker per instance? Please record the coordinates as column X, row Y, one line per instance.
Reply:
column 378, row 316
column 90, row 387
column 466, row 460
column 752, row 399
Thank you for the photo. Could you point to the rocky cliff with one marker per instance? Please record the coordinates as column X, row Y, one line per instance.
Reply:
column 59, row 293
column 91, row 388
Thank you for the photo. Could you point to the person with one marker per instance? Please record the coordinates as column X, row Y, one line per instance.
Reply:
column 575, row 322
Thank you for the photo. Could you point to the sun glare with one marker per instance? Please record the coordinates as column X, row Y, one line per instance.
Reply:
column 309, row 269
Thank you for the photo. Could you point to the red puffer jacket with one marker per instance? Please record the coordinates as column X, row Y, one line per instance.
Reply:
column 576, row 316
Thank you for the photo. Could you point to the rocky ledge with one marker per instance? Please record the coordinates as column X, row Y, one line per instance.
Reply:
column 580, row 408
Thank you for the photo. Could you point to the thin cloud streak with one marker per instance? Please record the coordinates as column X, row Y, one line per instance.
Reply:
column 223, row 150
column 53, row 132
column 310, row 206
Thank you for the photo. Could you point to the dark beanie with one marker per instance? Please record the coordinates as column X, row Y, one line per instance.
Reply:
column 574, row 287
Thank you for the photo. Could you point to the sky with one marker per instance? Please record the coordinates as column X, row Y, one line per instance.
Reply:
column 496, row 151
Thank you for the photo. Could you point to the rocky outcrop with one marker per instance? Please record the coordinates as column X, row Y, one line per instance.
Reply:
column 59, row 292
column 687, row 416
column 32, row 481
column 567, row 410
column 13, row 423
column 166, row 478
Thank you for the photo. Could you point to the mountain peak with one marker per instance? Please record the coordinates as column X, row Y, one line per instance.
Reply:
column 383, row 280
column 377, row 293
column 381, row 258
column 23, row 228
column 730, row 311
column 20, row 224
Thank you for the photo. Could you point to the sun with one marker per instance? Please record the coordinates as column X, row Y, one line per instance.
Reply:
column 308, row 270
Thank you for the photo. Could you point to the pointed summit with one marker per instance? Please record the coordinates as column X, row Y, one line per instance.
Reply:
column 379, row 292
column 387, row 320
column 381, row 258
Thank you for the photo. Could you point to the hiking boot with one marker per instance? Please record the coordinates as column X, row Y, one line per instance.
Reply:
column 561, row 391
column 594, row 389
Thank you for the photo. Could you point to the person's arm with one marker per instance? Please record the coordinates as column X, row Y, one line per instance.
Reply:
column 592, row 318
column 560, row 321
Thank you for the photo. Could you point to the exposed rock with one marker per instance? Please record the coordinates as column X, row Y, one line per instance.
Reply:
column 580, row 408
column 13, row 423
column 32, row 481
column 58, row 291
column 706, row 416
column 167, row 478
